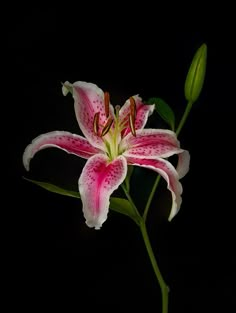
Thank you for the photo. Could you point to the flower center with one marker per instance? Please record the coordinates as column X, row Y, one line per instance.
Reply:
column 111, row 130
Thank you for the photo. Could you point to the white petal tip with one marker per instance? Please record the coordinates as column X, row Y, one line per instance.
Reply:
column 66, row 88
column 183, row 164
column 170, row 218
column 91, row 224
column 173, row 212
column 27, row 156
column 175, row 205
column 26, row 163
column 27, row 167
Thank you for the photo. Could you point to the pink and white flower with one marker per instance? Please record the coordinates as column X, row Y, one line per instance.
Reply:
column 113, row 139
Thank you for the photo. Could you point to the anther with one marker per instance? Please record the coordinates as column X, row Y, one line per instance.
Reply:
column 107, row 103
column 131, row 125
column 132, row 115
column 133, row 110
column 107, row 126
column 96, row 122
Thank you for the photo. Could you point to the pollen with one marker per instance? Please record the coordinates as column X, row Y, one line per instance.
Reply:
column 96, row 122
column 107, row 126
column 132, row 115
column 107, row 103
column 132, row 126
column 133, row 110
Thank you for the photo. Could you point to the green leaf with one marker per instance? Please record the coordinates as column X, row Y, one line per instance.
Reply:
column 164, row 110
column 53, row 188
column 119, row 205
column 123, row 206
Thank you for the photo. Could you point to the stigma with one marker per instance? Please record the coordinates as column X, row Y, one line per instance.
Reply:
column 105, row 128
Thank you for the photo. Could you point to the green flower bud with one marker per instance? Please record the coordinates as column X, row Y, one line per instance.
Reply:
column 196, row 74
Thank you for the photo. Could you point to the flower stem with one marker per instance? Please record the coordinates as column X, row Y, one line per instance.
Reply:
column 131, row 201
column 184, row 117
column 163, row 286
column 143, row 229
column 180, row 126
column 152, row 193
column 142, row 224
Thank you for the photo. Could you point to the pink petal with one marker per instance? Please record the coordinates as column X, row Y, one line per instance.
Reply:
column 89, row 99
column 98, row 180
column 169, row 173
column 143, row 112
column 150, row 143
column 66, row 141
column 183, row 164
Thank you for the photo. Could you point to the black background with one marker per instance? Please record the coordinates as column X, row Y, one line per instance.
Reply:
column 52, row 260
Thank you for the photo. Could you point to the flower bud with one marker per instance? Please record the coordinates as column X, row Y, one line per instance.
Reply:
column 196, row 74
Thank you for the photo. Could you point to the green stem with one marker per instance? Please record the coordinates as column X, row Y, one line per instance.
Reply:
column 151, row 197
column 163, row 286
column 131, row 201
column 180, row 126
column 142, row 222
column 142, row 225
column 184, row 117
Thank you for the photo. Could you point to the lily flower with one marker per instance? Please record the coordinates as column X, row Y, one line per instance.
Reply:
column 113, row 140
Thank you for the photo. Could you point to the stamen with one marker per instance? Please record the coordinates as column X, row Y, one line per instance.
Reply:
column 107, row 102
column 107, row 126
column 133, row 110
column 96, row 122
column 131, row 125
column 132, row 115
